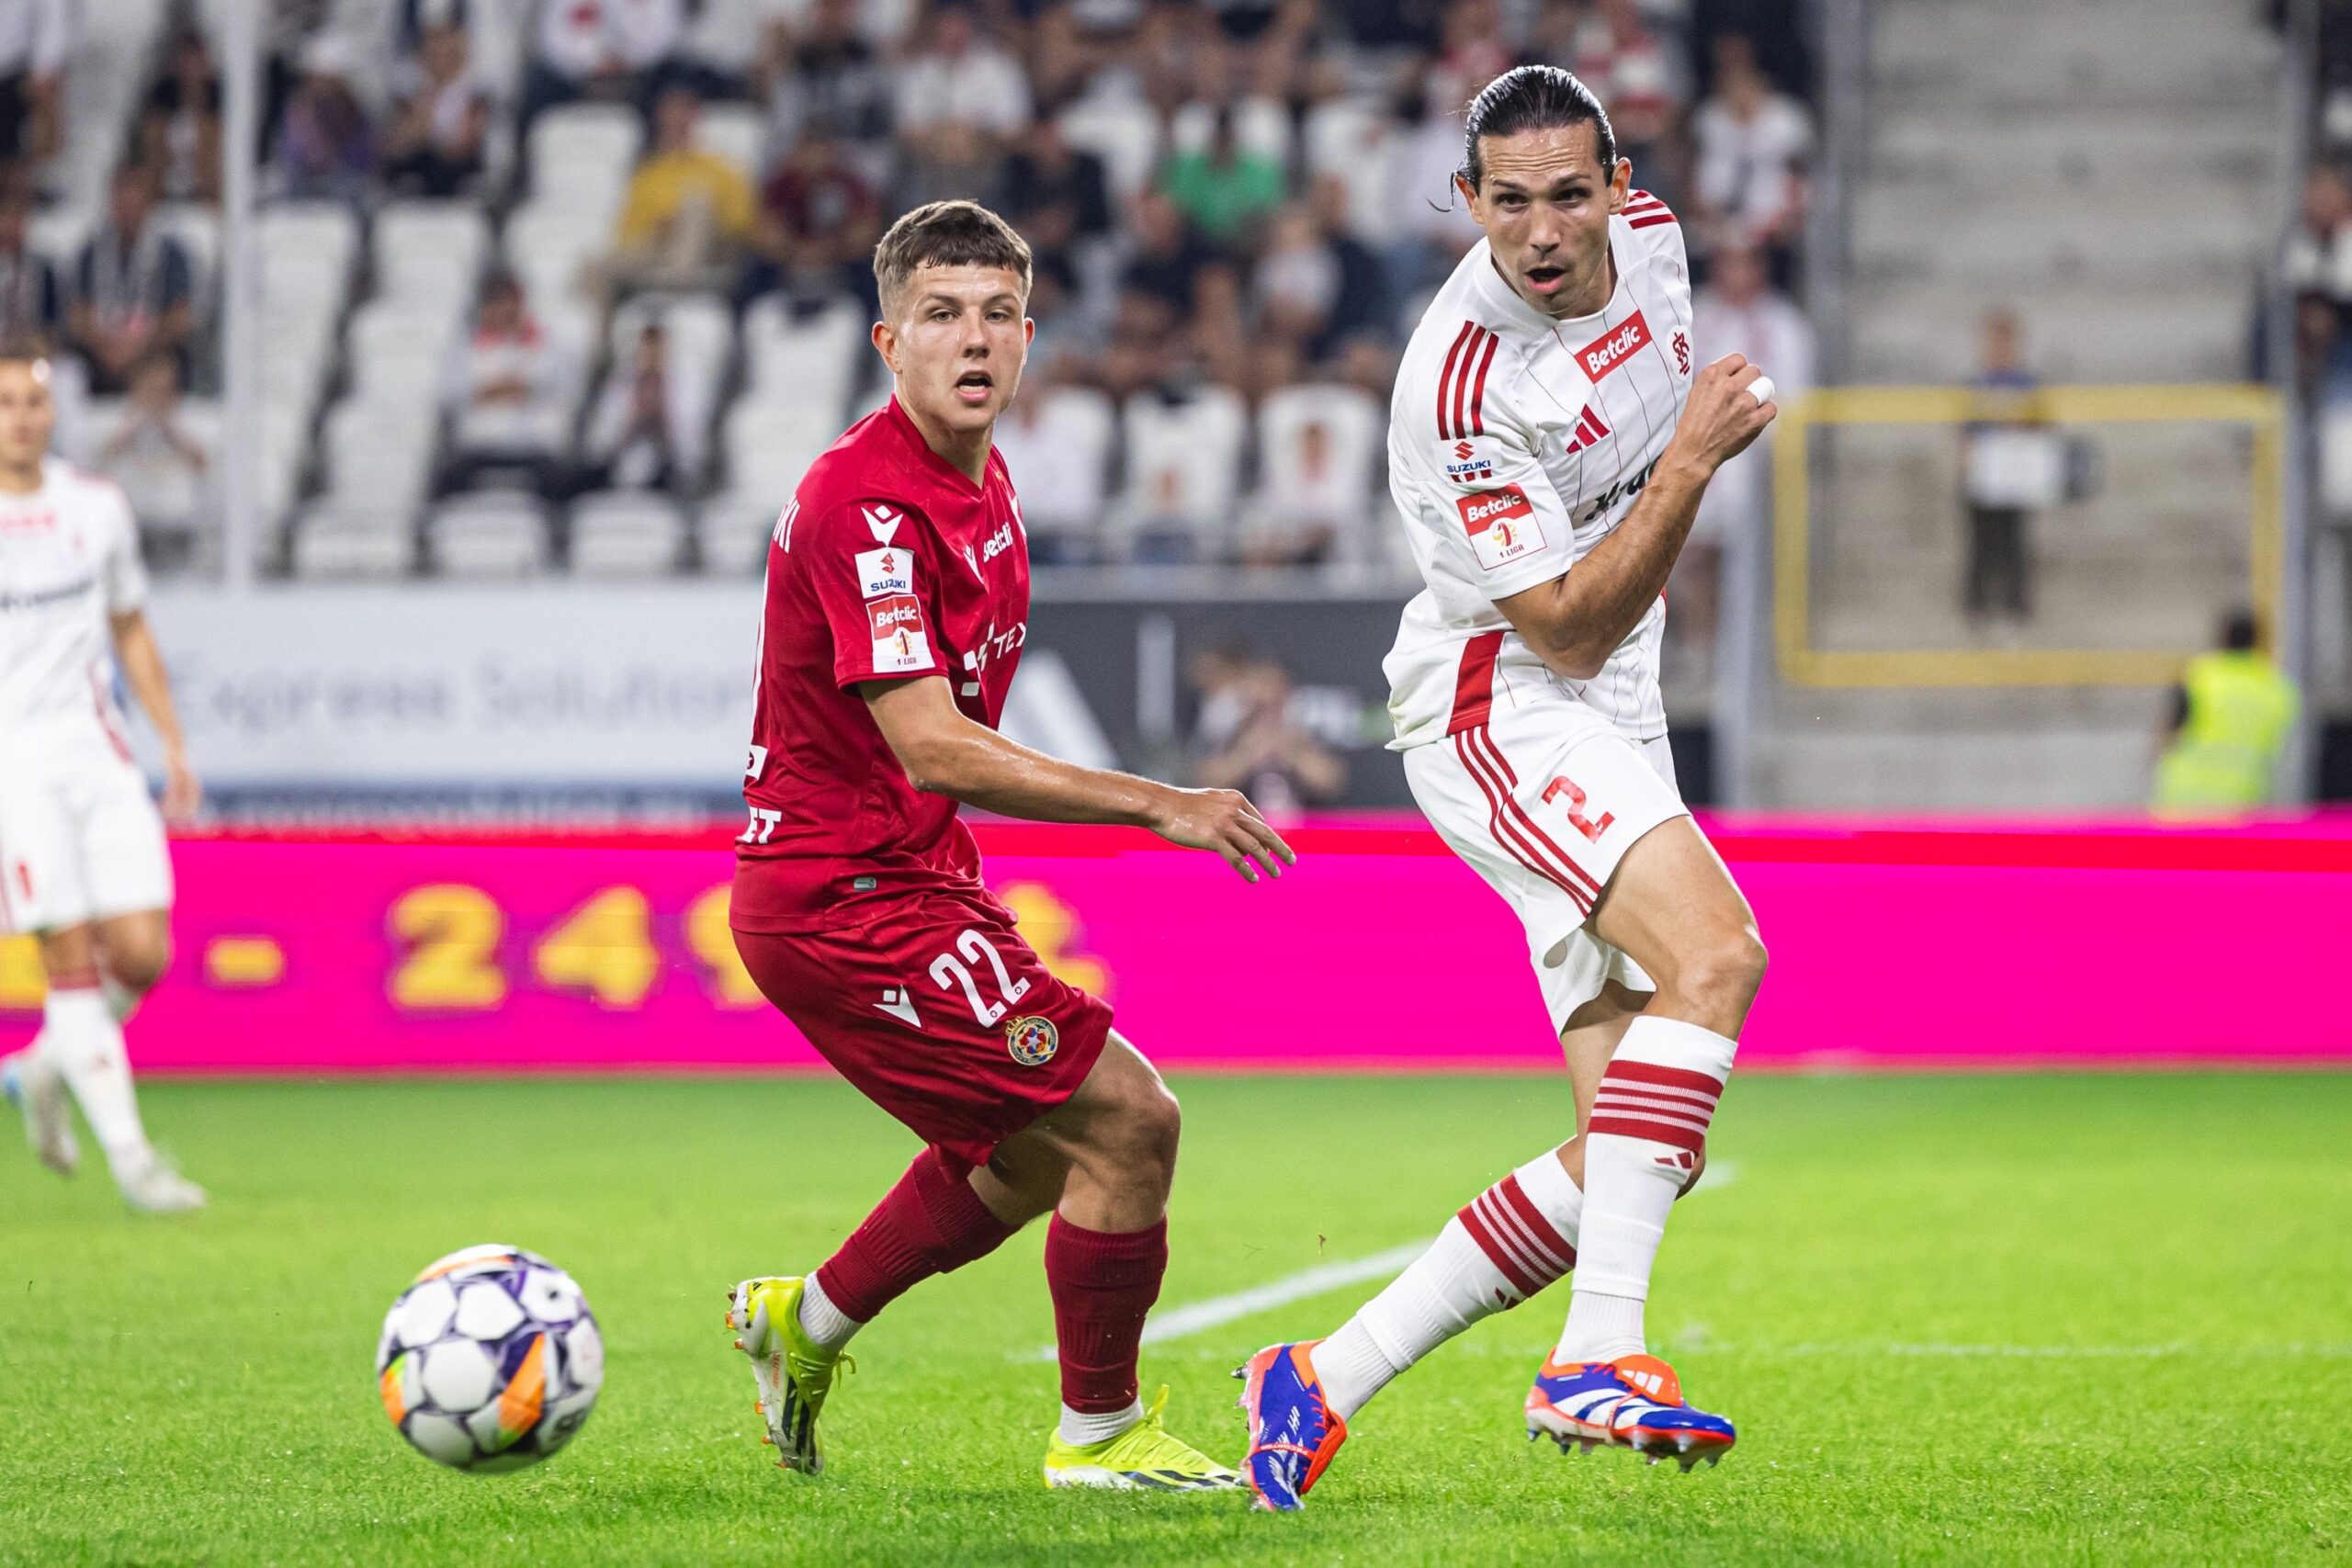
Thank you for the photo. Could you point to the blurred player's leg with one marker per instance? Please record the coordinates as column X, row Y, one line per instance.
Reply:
column 83, row 1041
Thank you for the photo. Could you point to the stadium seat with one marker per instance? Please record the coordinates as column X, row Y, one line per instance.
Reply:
column 319, row 238
column 1260, row 125
column 580, row 156
column 430, row 252
column 1184, row 463
column 399, row 353
column 2335, row 464
column 1352, row 423
column 813, row 359
column 701, row 331
column 330, row 543
column 625, row 533
column 1121, row 130
column 732, row 530
column 1061, row 465
column 736, row 132
column 546, row 246
column 379, row 455
column 493, row 534
column 769, row 445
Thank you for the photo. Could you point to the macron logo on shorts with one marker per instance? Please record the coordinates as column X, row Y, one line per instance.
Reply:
column 1502, row 526
column 1608, row 351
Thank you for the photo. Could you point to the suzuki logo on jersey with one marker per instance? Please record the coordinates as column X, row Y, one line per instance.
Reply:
column 1502, row 526
column 1604, row 354
column 900, row 643
column 1469, row 466
column 883, row 521
column 881, row 572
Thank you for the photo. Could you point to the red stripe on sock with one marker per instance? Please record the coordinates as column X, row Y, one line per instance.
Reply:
column 1496, row 1254
column 75, row 980
column 1533, row 1218
column 1670, row 1077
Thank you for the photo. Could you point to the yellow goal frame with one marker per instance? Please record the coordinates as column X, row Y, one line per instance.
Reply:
column 1802, row 664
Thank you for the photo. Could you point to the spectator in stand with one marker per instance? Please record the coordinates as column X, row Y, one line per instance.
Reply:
column 434, row 143
column 1431, row 223
column 1739, row 311
column 961, row 81
column 1298, row 278
column 819, row 221
column 1621, row 59
column 824, row 74
column 1048, row 173
column 690, row 215
column 326, row 148
column 1248, row 738
column 1363, row 305
column 133, row 288
column 508, row 396
column 179, row 126
column 2319, row 248
column 1167, row 258
column 1752, row 141
column 608, row 50
column 1223, row 189
column 33, row 45
column 1306, row 505
column 162, row 466
column 2010, row 468
column 1470, row 54
column 646, row 431
column 31, row 305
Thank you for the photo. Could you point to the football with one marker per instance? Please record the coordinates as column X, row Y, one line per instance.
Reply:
column 490, row 1360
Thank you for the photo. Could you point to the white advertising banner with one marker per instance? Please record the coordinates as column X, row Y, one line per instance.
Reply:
column 434, row 684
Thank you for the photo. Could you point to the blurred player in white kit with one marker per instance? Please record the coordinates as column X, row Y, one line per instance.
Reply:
column 1550, row 437
column 83, row 865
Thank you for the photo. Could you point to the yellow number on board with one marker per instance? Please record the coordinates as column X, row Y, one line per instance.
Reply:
column 604, row 948
column 452, row 933
column 22, row 984
column 714, row 943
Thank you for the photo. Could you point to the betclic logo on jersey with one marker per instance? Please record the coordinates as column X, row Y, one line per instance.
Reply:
column 899, row 640
column 884, row 573
column 1468, row 464
column 1502, row 526
column 1614, row 347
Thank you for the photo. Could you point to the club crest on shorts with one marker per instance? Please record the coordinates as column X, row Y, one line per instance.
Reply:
column 1031, row 1041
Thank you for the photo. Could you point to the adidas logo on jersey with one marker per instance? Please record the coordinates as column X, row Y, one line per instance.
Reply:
column 1603, row 355
column 1589, row 428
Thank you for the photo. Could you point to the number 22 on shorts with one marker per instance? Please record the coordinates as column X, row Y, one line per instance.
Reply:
column 1563, row 786
column 950, row 972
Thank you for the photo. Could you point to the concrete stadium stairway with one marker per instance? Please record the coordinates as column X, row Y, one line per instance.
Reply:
column 2110, row 171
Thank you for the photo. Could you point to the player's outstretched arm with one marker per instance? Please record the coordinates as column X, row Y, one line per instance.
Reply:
column 1574, row 622
column 142, row 671
column 943, row 753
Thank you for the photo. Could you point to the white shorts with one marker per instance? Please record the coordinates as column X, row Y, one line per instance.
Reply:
column 1544, row 798
column 79, row 841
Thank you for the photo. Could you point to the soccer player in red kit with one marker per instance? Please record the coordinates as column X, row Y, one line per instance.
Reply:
column 897, row 601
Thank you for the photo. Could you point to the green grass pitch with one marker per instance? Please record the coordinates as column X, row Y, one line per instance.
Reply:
column 2043, row 1319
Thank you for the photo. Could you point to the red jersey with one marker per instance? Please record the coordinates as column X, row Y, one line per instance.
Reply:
column 888, row 564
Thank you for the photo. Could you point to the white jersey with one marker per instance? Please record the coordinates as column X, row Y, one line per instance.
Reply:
column 1517, row 443
column 69, row 561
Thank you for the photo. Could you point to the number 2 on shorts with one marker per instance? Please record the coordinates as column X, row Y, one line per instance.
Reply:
column 950, row 972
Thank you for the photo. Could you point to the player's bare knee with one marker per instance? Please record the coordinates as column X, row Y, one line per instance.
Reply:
column 1720, row 976
column 139, row 962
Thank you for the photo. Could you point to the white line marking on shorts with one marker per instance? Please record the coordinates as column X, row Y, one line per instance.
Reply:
column 1198, row 1317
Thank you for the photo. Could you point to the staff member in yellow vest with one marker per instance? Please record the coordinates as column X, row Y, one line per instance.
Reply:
column 2230, row 718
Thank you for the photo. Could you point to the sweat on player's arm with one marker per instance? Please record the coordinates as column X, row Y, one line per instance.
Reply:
column 1575, row 621
column 945, row 752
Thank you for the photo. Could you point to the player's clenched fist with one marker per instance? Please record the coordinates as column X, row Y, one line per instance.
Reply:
column 1729, row 408
column 1224, row 821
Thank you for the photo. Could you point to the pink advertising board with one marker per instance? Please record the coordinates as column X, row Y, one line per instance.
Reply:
column 1893, row 946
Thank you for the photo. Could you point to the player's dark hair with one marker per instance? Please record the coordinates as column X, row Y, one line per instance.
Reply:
column 946, row 233
column 1533, row 98
column 2241, row 631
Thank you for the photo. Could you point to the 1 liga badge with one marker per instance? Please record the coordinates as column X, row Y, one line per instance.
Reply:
column 1502, row 526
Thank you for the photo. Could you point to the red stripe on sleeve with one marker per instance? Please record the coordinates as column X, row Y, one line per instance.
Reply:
column 1474, row 684
column 1478, row 392
column 1446, row 375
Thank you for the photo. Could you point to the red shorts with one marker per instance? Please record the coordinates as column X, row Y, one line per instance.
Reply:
column 938, row 1011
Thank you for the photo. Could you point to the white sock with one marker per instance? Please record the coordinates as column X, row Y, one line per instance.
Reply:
column 121, row 1000
column 84, row 1043
column 823, row 1321
column 1506, row 1244
column 1650, row 1125
column 1080, row 1429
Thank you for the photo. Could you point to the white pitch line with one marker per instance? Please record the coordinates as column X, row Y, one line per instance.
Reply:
column 1198, row 1317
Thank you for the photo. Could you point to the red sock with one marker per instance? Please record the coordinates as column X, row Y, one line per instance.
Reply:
column 931, row 1222
column 1102, row 1283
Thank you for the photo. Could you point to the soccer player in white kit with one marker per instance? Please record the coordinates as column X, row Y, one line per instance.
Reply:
column 82, row 861
column 1549, row 440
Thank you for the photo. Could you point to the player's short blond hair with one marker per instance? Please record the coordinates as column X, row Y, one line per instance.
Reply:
column 946, row 233
column 24, row 348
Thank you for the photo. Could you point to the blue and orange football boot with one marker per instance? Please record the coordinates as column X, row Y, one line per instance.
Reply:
column 1293, row 1433
column 1633, row 1401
